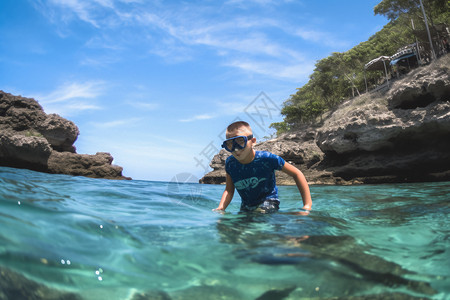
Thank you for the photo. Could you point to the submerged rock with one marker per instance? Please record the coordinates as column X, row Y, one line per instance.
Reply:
column 151, row 295
column 400, row 136
column 345, row 251
column 16, row 286
column 207, row 292
column 276, row 294
column 31, row 139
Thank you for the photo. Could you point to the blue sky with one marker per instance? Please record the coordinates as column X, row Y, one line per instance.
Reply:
column 155, row 83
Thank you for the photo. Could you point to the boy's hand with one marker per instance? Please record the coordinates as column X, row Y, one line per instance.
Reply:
column 221, row 210
column 306, row 207
column 305, row 210
column 303, row 213
column 298, row 213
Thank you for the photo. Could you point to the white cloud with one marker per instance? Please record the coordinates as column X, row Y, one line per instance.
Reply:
column 69, row 109
column 131, row 1
column 105, row 42
column 258, row 2
column 70, row 98
column 221, row 36
column 233, row 108
column 157, row 139
column 100, row 61
column 320, row 37
column 81, row 106
column 251, row 50
column 144, row 105
column 175, row 32
column 198, row 117
column 80, row 8
column 74, row 90
column 105, row 3
column 98, row 13
column 281, row 70
column 171, row 51
column 117, row 123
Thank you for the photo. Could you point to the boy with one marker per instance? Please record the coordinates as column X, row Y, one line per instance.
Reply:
column 252, row 173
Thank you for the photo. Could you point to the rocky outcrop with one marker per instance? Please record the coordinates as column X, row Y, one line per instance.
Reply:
column 402, row 135
column 32, row 139
column 96, row 166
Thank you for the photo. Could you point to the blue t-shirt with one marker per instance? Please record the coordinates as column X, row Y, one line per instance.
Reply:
column 255, row 182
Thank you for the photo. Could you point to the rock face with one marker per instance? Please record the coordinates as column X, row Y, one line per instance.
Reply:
column 31, row 139
column 402, row 135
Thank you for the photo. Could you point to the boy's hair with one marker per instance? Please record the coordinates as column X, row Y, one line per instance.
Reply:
column 236, row 125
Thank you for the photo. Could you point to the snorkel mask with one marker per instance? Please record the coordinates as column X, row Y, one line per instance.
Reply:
column 237, row 142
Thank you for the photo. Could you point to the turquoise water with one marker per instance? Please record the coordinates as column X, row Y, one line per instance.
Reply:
column 105, row 239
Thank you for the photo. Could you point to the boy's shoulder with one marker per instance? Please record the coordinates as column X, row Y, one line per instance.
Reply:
column 229, row 158
column 276, row 161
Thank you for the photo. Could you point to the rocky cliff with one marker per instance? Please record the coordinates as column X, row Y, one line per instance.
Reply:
column 32, row 139
column 399, row 135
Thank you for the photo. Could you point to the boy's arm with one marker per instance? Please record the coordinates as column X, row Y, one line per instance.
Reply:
column 301, row 182
column 227, row 195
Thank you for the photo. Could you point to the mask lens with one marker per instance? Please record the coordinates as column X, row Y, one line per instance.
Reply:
column 240, row 141
column 229, row 145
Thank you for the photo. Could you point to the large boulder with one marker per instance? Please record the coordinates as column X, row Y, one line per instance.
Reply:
column 95, row 166
column 424, row 87
column 59, row 132
column 26, row 115
column 373, row 128
column 18, row 113
column 415, row 108
column 21, row 151
column 31, row 139
column 403, row 135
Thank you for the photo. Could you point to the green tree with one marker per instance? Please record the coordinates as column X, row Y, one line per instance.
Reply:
column 434, row 9
column 341, row 75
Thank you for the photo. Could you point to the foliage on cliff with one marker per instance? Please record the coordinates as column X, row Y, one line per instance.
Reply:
column 341, row 75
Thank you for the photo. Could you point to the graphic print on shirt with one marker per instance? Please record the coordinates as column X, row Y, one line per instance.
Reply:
column 248, row 182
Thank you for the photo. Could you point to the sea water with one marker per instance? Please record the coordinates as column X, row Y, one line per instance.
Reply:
column 108, row 239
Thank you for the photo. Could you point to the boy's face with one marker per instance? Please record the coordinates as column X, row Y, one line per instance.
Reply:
column 243, row 155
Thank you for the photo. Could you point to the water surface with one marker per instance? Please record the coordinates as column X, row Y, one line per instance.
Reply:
column 106, row 239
